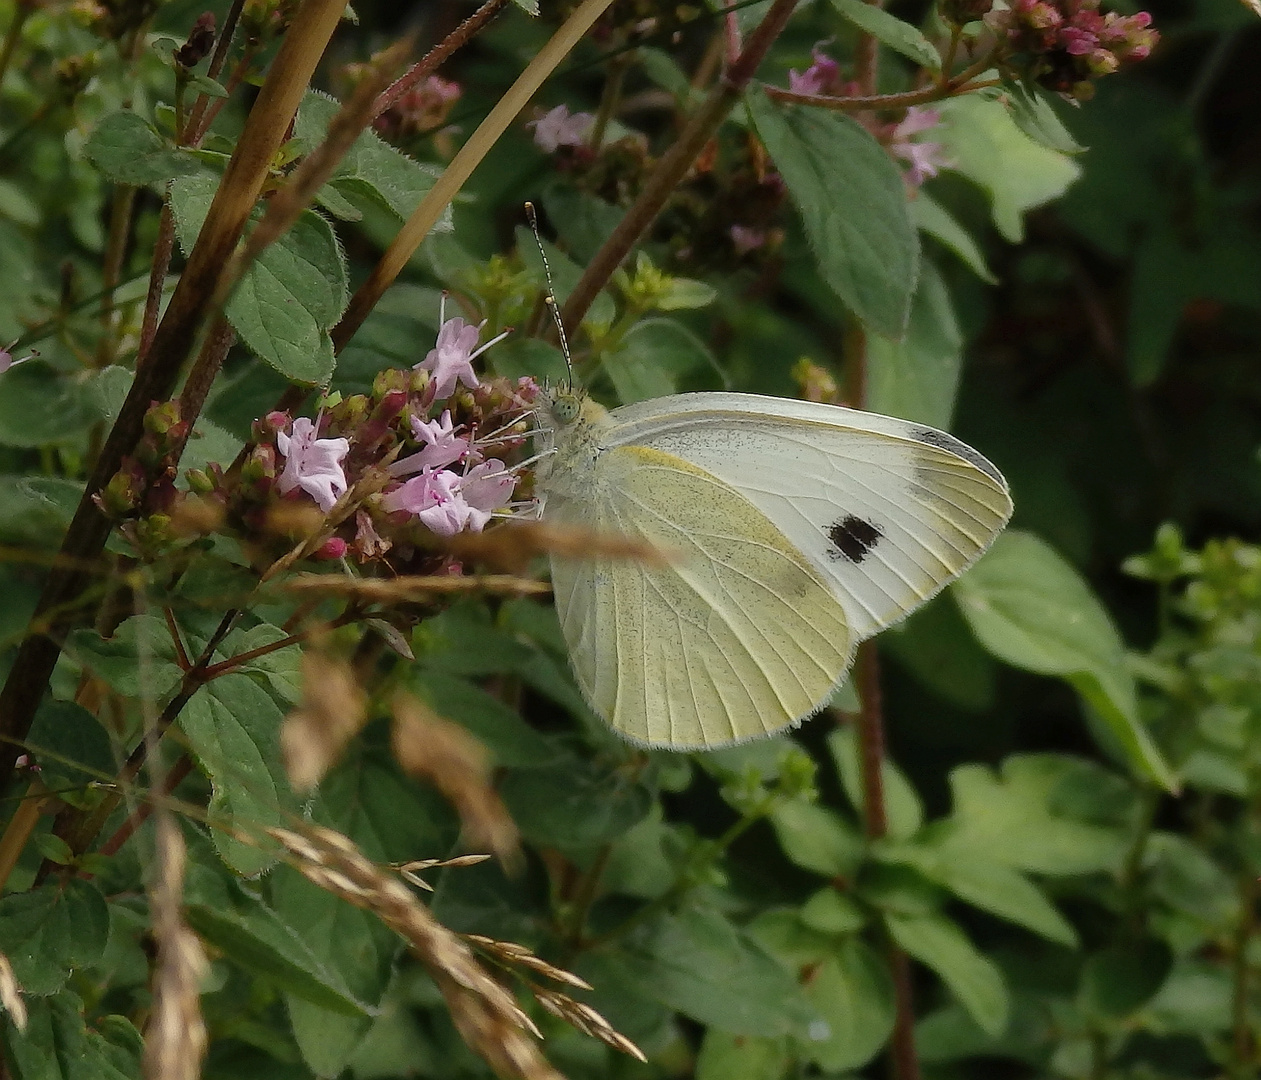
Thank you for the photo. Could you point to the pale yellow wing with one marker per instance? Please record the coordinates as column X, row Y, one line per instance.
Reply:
column 738, row 636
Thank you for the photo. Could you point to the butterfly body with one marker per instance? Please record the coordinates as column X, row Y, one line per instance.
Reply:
column 794, row 530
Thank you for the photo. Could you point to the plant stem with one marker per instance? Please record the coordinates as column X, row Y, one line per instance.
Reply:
column 248, row 169
column 934, row 92
column 435, row 57
column 871, row 741
column 673, row 166
column 162, row 249
column 1243, row 1040
column 20, row 827
column 120, row 215
column 141, row 813
column 426, row 215
column 13, row 35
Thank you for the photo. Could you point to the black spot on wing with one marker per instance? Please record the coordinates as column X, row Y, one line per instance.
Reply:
column 942, row 441
column 853, row 538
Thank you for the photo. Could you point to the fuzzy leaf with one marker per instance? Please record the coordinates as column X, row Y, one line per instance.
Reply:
column 853, row 204
column 1029, row 607
column 130, row 151
column 900, row 36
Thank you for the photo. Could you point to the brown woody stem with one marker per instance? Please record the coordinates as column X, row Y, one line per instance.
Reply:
column 248, row 169
column 673, row 166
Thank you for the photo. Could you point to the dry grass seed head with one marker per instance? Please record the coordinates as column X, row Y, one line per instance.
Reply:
column 331, row 713
column 175, row 1036
column 484, row 1012
column 434, row 749
column 510, row 549
column 10, row 994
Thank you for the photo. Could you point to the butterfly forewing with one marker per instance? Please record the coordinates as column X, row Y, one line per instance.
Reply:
column 737, row 635
column 887, row 511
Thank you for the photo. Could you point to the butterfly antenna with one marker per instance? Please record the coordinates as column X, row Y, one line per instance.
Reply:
column 551, row 294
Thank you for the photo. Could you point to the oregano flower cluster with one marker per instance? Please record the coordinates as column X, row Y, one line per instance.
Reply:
column 422, row 457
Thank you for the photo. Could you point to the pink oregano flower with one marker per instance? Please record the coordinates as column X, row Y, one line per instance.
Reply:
column 925, row 158
column 557, row 128
column 819, row 78
column 442, row 446
column 314, row 465
column 451, row 359
column 446, row 502
column 7, row 361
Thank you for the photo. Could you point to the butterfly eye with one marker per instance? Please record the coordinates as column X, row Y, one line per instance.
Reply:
column 565, row 408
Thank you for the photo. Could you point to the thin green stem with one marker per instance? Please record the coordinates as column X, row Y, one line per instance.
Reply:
column 13, row 35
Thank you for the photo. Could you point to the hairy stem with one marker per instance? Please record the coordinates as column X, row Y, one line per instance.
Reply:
column 673, row 166
column 248, row 169
column 437, row 56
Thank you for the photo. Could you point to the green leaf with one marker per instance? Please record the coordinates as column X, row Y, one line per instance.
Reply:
column 985, row 884
column 903, row 809
column 900, row 36
column 345, row 939
column 138, row 661
column 255, row 937
column 1009, row 819
column 853, row 204
column 1121, row 978
column 724, row 1056
column 57, row 1044
column 289, row 298
column 685, row 294
column 510, row 740
column 39, row 407
column 574, row 805
column 1034, row 113
column 582, row 220
column 1184, row 876
column 371, row 168
column 699, row 964
column 932, row 218
column 48, row 931
column 35, row 510
column 71, row 746
column 565, row 276
column 232, row 727
column 817, row 839
column 917, row 377
column 280, row 670
column 1031, row 608
column 521, row 356
column 984, row 144
column 832, row 912
column 655, row 353
column 935, row 646
column 972, row 977
column 130, row 151
column 853, row 992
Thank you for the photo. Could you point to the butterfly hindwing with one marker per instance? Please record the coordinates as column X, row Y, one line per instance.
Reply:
column 736, row 636
column 887, row 511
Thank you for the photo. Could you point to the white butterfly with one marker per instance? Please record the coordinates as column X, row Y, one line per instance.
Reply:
column 796, row 529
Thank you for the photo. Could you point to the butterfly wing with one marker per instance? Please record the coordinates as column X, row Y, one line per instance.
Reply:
column 887, row 511
column 736, row 636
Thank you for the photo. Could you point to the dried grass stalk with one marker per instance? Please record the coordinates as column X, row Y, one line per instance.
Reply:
column 511, row 548
column 585, row 1019
column 332, row 711
column 415, row 587
column 483, row 1010
column 175, row 1036
column 443, row 753
column 11, row 994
